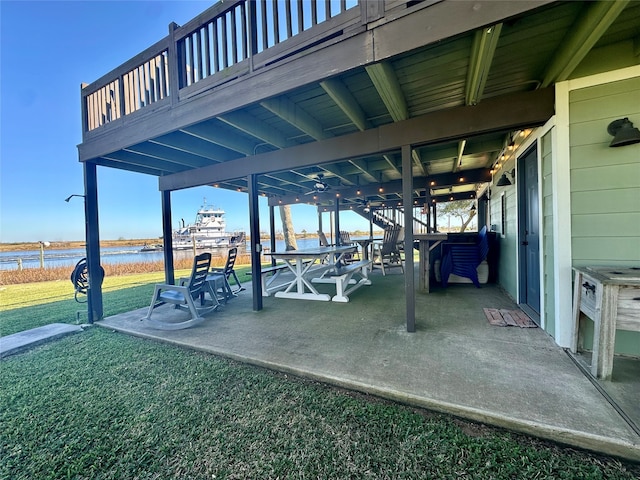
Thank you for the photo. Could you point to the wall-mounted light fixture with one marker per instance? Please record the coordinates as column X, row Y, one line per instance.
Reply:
column 623, row 133
column 71, row 196
column 504, row 181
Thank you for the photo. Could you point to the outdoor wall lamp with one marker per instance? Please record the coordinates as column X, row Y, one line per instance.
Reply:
column 71, row 196
column 623, row 133
column 504, row 181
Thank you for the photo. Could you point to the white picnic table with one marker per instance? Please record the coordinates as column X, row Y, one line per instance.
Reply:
column 317, row 265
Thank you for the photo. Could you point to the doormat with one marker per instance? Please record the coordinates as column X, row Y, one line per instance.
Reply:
column 508, row 318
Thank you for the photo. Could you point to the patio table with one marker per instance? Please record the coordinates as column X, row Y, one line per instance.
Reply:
column 364, row 244
column 427, row 243
column 308, row 266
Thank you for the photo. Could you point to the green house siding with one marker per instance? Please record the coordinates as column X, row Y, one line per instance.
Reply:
column 548, row 299
column 508, row 232
column 605, row 185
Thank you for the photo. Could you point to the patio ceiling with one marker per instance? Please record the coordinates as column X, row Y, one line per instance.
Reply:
column 520, row 54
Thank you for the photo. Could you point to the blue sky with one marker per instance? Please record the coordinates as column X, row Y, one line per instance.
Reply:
column 48, row 49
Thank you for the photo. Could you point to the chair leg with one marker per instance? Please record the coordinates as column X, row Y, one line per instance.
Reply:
column 240, row 287
column 154, row 299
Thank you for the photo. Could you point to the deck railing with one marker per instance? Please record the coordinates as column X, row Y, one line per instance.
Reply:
column 216, row 46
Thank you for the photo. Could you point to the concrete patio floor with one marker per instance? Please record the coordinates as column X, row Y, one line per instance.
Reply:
column 455, row 362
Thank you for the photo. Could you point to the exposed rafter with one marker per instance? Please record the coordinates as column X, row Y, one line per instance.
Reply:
column 508, row 112
column 457, row 161
column 581, row 38
column 209, row 133
column 188, row 144
column 363, row 169
column 141, row 160
column 341, row 95
column 394, row 188
column 389, row 159
column 296, row 116
column 168, row 154
column 415, row 156
column 386, row 82
column 251, row 125
column 482, row 52
column 335, row 171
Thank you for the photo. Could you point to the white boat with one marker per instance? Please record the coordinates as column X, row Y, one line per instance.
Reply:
column 208, row 231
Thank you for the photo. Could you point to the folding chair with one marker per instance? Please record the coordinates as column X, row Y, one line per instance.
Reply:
column 184, row 296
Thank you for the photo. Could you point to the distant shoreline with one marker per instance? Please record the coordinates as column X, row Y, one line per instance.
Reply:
column 20, row 246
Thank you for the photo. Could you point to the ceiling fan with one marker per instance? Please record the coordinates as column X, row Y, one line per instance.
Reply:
column 319, row 185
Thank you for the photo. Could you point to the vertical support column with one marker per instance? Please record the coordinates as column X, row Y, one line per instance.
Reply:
column 319, row 223
column 167, row 238
column 254, row 232
column 94, row 291
column 407, row 201
column 272, row 232
column 337, row 222
column 435, row 218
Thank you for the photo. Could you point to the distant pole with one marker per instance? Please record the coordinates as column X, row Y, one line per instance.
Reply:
column 42, row 245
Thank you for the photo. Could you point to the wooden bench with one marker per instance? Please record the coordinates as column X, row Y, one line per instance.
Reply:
column 268, row 277
column 345, row 283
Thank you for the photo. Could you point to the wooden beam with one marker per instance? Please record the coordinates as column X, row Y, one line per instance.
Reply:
column 389, row 159
column 418, row 162
column 362, row 167
column 341, row 95
column 252, row 126
column 296, row 116
column 168, row 154
column 139, row 159
column 196, row 146
column 207, row 131
column 457, row 161
column 386, row 83
column 508, row 112
column 479, row 175
column 482, row 51
column 592, row 24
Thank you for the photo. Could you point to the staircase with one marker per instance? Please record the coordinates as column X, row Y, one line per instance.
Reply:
column 385, row 216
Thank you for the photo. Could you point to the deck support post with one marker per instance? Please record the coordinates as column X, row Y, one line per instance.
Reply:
column 319, row 224
column 167, row 238
column 94, row 290
column 256, row 246
column 407, row 201
column 272, row 232
column 337, row 221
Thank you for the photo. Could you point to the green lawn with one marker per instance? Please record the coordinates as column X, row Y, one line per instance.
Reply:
column 32, row 305
column 104, row 405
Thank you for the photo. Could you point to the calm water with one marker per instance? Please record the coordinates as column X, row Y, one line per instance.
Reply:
column 109, row 255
